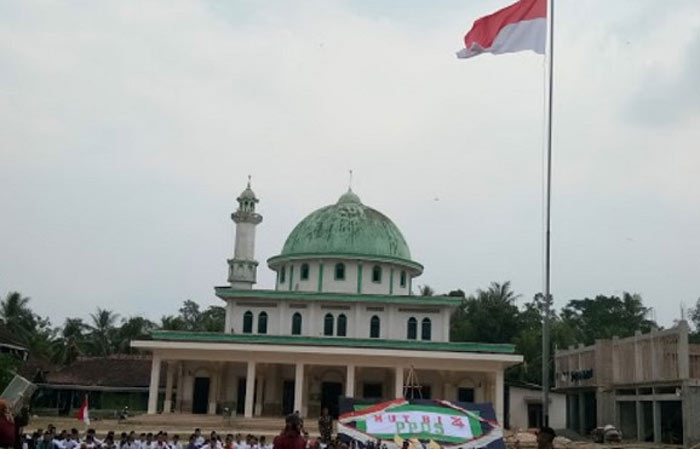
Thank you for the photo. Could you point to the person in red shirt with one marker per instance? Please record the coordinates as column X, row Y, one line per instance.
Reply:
column 290, row 438
column 7, row 426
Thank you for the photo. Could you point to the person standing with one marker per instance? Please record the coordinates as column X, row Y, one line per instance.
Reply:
column 290, row 438
column 325, row 426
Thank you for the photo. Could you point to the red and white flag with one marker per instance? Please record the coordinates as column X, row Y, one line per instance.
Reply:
column 520, row 26
column 84, row 412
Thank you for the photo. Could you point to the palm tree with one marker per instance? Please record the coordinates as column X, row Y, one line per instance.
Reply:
column 172, row 323
column 15, row 311
column 71, row 342
column 426, row 290
column 102, row 331
column 134, row 328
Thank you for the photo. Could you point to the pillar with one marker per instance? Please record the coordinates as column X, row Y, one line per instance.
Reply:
column 153, row 387
column 350, row 382
column 683, row 351
column 298, row 386
column 498, row 393
column 581, row 414
column 249, row 390
column 398, row 382
column 214, row 389
column 180, row 386
column 257, row 409
column 640, row 420
column 656, row 407
column 168, row 402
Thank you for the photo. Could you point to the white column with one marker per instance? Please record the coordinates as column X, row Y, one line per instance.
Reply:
column 153, row 388
column 398, row 382
column 249, row 390
column 350, row 382
column 259, row 396
column 180, row 386
column 213, row 390
column 498, row 392
column 168, row 403
column 298, row 386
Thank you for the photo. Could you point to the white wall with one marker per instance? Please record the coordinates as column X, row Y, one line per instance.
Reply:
column 518, row 400
column 393, row 318
column 389, row 284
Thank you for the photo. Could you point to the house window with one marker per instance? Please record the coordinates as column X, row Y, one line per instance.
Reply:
column 262, row 323
column 403, row 279
column 342, row 325
column 425, row 329
column 374, row 327
column 328, row 325
column 248, row 322
column 339, row 272
column 283, row 274
column 412, row 329
column 296, row 324
column 305, row 272
column 377, row 274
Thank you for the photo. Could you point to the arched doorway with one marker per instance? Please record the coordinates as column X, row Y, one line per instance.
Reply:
column 200, row 392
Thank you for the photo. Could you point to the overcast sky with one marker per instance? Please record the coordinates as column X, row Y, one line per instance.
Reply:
column 129, row 128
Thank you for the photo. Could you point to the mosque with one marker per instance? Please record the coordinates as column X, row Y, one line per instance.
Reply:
column 342, row 320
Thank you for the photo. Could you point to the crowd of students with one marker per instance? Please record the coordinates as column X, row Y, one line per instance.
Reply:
column 52, row 439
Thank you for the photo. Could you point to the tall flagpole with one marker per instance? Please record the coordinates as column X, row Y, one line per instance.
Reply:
column 548, row 208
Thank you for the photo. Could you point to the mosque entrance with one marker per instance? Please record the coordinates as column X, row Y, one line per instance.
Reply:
column 200, row 396
column 330, row 392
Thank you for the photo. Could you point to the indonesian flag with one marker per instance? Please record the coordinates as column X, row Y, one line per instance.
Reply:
column 84, row 412
column 520, row 26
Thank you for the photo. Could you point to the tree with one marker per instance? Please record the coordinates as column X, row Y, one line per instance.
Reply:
column 489, row 316
column 426, row 290
column 102, row 333
column 133, row 328
column 29, row 327
column 212, row 320
column 172, row 323
column 71, row 342
column 190, row 314
column 9, row 365
column 606, row 317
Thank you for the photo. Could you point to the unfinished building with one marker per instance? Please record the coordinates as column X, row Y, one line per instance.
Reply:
column 647, row 385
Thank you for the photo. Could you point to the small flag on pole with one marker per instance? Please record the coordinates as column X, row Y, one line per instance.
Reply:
column 520, row 26
column 84, row 412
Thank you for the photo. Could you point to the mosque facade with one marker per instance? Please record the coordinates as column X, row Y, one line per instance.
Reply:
column 342, row 320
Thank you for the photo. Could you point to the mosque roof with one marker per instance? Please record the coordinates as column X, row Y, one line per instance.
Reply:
column 347, row 228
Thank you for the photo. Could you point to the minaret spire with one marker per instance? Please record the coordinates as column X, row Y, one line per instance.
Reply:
column 243, row 267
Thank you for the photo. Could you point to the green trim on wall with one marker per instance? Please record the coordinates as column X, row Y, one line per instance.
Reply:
column 359, row 278
column 226, row 293
column 391, row 281
column 320, row 276
column 417, row 268
column 291, row 276
column 212, row 337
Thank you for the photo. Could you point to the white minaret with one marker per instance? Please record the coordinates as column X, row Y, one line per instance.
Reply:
column 242, row 269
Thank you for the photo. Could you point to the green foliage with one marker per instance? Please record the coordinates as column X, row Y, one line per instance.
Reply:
column 9, row 365
column 607, row 316
column 489, row 316
column 103, row 335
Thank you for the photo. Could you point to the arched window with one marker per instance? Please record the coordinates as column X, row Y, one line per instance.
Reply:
column 403, row 279
column 377, row 274
column 296, row 324
column 283, row 274
column 425, row 329
column 328, row 325
column 339, row 272
column 374, row 327
column 262, row 323
column 342, row 325
column 304, row 272
column 412, row 329
column 248, row 322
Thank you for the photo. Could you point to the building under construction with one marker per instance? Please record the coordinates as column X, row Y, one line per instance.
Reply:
column 647, row 385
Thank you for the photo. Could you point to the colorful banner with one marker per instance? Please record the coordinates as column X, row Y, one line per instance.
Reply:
column 421, row 422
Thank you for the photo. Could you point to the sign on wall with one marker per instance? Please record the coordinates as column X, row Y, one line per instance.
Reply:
column 449, row 424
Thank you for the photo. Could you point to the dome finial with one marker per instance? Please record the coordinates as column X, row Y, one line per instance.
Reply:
column 249, row 181
column 350, row 181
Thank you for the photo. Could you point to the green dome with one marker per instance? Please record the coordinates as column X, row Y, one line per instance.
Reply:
column 347, row 228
